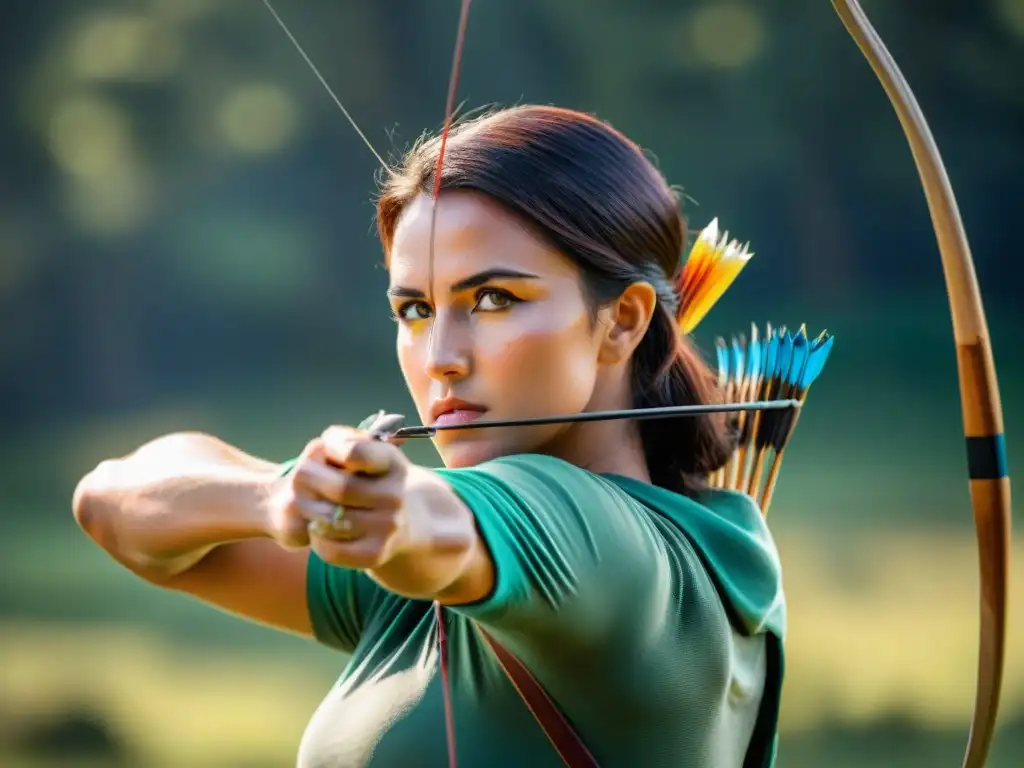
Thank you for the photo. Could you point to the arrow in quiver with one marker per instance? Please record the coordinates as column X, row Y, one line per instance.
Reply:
column 774, row 365
column 712, row 265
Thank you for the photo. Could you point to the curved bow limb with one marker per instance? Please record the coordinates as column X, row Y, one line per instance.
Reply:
column 979, row 388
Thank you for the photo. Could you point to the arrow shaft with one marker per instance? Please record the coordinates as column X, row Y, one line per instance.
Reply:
column 637, row 414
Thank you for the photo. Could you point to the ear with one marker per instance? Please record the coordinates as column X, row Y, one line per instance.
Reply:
column 625, row 322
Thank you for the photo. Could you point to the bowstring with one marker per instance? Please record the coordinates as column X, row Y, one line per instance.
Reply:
column 453, row 87
column 449, row 113
column 325, row 84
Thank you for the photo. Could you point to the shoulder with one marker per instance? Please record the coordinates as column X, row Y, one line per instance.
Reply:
column 571, row 551
column 541, row 504
column 532, row 471
column 538, row 484
column 525, row 465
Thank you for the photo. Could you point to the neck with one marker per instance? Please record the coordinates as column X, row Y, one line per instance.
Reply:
column 609, row 447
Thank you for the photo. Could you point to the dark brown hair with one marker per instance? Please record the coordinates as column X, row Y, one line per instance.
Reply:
column 593, row 195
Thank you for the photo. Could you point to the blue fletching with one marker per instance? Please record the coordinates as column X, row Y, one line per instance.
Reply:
column 764, row 349
column 723, row 359
column 755, row 353
column 785, row 356
column 736, row 357
column 772, row 356
column 798, row 364
column 816, row 361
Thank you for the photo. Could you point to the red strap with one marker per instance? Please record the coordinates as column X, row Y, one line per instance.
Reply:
column 446, row 688
column 549, row 717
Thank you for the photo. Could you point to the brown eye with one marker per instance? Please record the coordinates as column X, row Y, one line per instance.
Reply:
column 414, row 310
column 492, row 300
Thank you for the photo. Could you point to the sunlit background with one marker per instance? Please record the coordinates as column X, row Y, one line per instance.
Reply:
column 186, row 242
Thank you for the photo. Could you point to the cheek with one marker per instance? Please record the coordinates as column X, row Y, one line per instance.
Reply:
column 542, row 371
column 412, row 360
column 529, row 374
column 539, row 363
column 542, row 362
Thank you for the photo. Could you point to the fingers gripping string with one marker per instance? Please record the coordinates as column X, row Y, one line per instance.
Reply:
column 324, row 83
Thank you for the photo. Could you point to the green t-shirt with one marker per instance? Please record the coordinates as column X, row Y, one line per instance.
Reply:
column 654, row 621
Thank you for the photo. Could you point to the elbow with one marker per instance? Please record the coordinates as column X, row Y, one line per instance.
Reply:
column 100, row 495
column 92, row 507
column 89, row 504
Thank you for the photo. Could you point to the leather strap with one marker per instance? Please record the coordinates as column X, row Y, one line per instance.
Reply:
column 549, row 717
column 569, row 745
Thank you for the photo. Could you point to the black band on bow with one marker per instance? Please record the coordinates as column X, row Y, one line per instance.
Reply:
column 986, row 457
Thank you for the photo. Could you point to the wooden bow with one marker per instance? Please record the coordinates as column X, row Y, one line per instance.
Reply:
column 979, row 389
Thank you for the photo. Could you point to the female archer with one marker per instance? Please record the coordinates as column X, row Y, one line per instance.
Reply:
column 559, row 594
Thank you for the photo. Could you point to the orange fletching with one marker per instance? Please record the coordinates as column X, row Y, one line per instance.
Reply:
column 714, row 262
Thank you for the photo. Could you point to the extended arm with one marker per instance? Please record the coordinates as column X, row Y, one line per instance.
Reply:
column 191, row 513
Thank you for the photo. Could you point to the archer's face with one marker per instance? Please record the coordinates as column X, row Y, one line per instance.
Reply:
column 503, row 331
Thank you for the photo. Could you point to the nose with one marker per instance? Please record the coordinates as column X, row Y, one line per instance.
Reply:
column 449, row 348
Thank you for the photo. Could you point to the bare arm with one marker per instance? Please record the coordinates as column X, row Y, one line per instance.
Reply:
column 189, row 512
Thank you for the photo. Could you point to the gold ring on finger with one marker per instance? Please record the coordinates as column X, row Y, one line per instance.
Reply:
column 342, row 528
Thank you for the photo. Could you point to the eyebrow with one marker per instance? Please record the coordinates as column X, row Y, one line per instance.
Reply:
column 473, row 281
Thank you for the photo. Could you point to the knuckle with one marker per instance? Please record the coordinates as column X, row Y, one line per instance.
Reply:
column 395, row 457
column 311, row 509
column 302, row 474
column 305, row 475
column 350, row 452
column 389, row 497
column 344, row 446
column 335, row 433
column 389, row 524
column 342, row 487
column 379, row 454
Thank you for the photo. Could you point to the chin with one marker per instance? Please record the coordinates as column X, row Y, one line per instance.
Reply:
column 461, row 453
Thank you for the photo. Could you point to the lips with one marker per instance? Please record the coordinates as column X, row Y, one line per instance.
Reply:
column 453, row 411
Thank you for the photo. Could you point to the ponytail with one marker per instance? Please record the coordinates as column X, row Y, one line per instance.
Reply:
column 680, row 453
